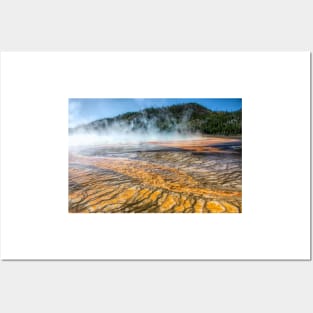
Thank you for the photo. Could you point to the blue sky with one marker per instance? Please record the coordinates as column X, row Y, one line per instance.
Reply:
column 86, row 110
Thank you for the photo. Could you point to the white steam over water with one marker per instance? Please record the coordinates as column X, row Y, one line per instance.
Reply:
column 122, row 132
column 109, row 138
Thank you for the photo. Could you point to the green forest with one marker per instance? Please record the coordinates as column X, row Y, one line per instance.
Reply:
column 182, row 118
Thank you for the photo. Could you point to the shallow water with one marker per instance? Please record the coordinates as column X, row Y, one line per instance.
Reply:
column 188, row 176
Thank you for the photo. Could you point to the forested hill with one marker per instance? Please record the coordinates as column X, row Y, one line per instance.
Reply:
column 189, row 117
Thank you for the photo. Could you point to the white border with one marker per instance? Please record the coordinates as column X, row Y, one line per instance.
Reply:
column 275, row 88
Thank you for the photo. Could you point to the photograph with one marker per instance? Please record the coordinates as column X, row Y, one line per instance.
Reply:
column 195, row 134
column 155, row 155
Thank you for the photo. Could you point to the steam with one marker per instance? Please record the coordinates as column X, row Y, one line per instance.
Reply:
column 143, row 128
column 109, row 138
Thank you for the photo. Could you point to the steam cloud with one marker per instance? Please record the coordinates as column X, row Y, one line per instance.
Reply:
column 141, row 129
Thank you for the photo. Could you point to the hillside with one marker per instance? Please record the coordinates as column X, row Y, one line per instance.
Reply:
column 182, row 118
